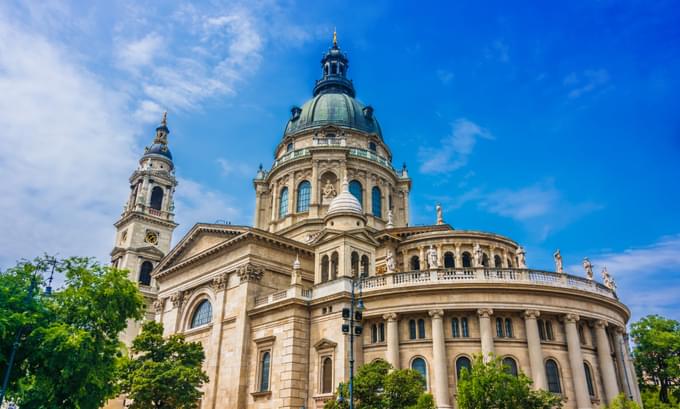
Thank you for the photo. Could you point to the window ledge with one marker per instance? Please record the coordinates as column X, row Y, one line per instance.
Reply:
column 198, row 329
column 264, row 394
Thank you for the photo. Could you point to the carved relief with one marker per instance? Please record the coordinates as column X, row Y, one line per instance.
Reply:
column 250, row 272
column 159, row 305
column 219, row 282
column 178, row 298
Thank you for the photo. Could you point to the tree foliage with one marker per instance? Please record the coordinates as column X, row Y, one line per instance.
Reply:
column 164, row 373
column 377, row 385
column 650, row 400
column 657, row 353
column 68, row 344
column 491, row 386
column 622, row 402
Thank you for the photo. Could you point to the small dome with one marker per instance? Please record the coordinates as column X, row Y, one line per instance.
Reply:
column 345, row 202
column 158, row 149
column 337, row 109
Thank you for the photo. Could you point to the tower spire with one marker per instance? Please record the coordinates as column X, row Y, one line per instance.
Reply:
column 335, row 38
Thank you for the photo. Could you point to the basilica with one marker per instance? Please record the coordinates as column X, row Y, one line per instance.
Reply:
column 332, row 216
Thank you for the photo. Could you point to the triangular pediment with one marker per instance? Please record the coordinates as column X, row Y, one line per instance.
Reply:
column 324, row 343
column 328, row 235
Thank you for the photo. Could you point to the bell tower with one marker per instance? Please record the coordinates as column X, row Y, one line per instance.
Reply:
column 144, row 230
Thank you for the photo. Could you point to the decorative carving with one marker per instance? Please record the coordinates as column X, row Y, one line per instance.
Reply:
column 432, row 258
column 329, row 191
column 391, row 265
column 588, row 267
column 532, row 314
column 485, row 312
column 250, row 272
column 178, row 298
column 571, row 318
column 219, row 282
column 436, row 314
column 390, row 316
column 558, row 262
column 601, row 323
column 159, row 305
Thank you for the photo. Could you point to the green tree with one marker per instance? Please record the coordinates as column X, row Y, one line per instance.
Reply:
column 491, row 386
column 622, row 402
column 650, row 400
column 377, row 386
column 164, row 373
column 657, row 353
column 69, row 343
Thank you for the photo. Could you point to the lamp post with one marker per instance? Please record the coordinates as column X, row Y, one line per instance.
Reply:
column 17, row 337
column 353, row 327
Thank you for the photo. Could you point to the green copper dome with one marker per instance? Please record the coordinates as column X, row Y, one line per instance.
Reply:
column 333, row 102
column 337, row 109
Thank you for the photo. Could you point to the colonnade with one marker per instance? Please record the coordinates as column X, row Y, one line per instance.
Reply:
column 439, row 365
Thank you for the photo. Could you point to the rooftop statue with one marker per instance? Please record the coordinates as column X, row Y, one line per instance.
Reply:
column 521, row 257
column 390, row 261
column 440, row 217
column 558, row 262
column 432, row 257
column 478, row 255
column 588, row 266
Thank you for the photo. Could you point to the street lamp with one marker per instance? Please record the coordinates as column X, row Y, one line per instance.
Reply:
column 353, row 316
column 17, row 338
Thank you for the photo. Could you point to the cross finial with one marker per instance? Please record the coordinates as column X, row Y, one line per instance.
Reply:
column 164, row 121
column 335, row 37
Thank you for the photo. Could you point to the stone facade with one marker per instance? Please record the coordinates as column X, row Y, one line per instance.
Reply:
column 276, row 290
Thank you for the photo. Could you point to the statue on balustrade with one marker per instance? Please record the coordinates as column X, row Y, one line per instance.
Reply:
column 390, row 261
column 588, row 266
column 608, row 279
column 478, row 255
column 558, row 262
column 521, row 257
column 432, row 257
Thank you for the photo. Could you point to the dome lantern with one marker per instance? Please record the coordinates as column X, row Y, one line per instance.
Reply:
column 334, row 65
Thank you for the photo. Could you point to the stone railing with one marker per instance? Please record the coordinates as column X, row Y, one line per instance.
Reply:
column 370, row 155
column 291, row 155
column 483, row 275
column 292, row 292
column 337, row 141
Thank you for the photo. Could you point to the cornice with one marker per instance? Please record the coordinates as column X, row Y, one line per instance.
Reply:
column 137, row 215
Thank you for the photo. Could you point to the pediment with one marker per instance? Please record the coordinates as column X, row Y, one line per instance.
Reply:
column 324, row 343
column 328, row 235
column 199, row 239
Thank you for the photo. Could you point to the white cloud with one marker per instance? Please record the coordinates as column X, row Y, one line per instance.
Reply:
column 454, row 150
column 67, row 150
column 579, row 84
column 140, row 53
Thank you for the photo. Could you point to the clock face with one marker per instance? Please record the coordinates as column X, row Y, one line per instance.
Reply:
column 151, row 237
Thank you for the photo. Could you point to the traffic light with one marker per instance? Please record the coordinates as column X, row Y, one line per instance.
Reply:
column 345, row 313
column 345, row 328
column 358, row 329
column 358, row 316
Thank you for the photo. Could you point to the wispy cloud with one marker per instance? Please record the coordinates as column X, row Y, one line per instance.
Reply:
column 579, row 84
column 454, row 150
column 231, row 168
column 445, row 76
column 196, row 203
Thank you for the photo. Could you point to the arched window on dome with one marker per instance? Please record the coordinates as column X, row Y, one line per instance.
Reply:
column 467, row 259
column 324, row 269
column 202, row 314
column 552, row 372
column 156, row 198
column 289, row 147
column 589, row 379
column 364, row 266
column 304, row 191
column 485, row 260
column 372, row 146
column 376, row 202
column 509, row 263
column 462, row 363
column 415, row 263
column 283, row 203
column 357, row 191
column 419, row 365
column 355, row 263
column 145, row 273
column 510, row 366
column 449, row 260
column 334, row 265
column 497, row 261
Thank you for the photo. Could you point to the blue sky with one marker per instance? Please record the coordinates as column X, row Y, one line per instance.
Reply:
column 555, row 126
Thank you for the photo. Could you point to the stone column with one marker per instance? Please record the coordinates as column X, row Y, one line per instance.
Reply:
column 440, row 255
column 628, row 376
column 392, row 339
column 576, row 362
column 314, row 199
column 423, row 261
column 275, row 199
column 459, row 257
column 535, row 350
column 441, row 375
column 604, row 357
column 219, row 285
column 486, row 332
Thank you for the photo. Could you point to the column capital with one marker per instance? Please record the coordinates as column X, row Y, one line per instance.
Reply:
column 620, row 330
column 391, row 316
column 436, row 314
column 532, row 314
column 571, row 318
column 601, row 323
column 485, row 312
